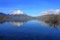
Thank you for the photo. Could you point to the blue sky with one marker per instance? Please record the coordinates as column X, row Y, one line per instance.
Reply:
column 31, row 7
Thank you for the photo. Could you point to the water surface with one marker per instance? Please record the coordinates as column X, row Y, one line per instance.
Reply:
column 30, row 30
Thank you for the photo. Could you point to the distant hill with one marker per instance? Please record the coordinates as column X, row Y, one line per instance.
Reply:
column 3, row 16
column 49, row 17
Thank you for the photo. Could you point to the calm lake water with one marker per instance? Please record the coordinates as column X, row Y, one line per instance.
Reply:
column 30, row 30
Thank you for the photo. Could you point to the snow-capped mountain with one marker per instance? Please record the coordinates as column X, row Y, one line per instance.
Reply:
column 19, row 15
column 17, row 12
column 50, row 12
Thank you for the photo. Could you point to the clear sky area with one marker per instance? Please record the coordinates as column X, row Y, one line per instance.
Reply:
column 31, row 7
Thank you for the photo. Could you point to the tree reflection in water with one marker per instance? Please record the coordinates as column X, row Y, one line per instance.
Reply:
column 2, row 21
column 16, row 23
column 54, row 23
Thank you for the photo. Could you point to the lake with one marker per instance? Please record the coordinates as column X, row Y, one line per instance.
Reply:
column 29, row 30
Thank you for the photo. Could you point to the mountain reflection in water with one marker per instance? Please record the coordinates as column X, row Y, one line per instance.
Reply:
column 44, row 23
column 17, row 23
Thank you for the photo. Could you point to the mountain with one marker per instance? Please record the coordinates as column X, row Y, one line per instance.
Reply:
column 20, row 17
column 17, row 15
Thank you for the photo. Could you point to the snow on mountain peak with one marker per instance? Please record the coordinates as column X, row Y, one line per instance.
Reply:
column 51, row 12
column 17, row 12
